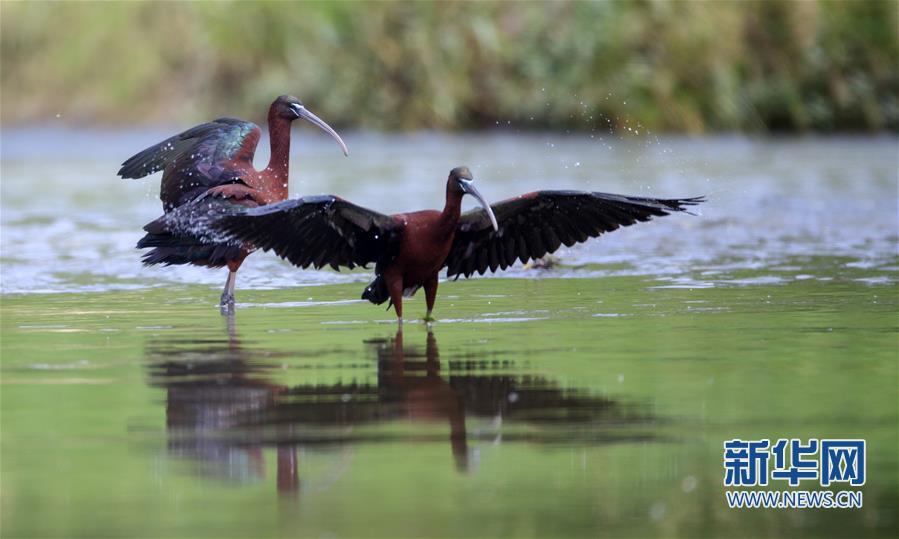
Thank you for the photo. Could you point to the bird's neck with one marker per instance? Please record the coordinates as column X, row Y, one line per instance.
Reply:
column 278, row 168
column 452, row 210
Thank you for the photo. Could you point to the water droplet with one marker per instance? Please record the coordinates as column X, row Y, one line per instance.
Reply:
column 688, row 484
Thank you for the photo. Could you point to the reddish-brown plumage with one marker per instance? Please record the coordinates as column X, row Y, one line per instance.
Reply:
column 410, row 249
column 424, row 244
column 265, row 186
column 214, row 161
column 270, row 184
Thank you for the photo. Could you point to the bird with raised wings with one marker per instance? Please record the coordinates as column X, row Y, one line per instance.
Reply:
column 213, row 162
column 410, row 249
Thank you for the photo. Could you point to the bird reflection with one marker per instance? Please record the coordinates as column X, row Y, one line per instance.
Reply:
column 214, row 388
column 420, row 393
column 224, row 409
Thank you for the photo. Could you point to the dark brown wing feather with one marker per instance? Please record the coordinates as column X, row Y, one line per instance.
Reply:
column 317, row 231
column 204, row 156
column 183, row 235
column 535, row 224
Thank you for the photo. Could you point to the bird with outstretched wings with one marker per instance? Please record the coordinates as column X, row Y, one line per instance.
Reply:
column 215, row 160
column 327, row 230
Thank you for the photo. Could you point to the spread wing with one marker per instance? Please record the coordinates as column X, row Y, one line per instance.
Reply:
column 184, row 235
column 537, row 223
column 205, row 156
column 317, row 231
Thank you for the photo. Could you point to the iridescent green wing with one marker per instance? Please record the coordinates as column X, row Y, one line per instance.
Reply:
column 205, row 156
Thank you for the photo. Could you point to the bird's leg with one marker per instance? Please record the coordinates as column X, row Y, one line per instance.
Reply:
column 430, row 297
column 226, row 304
column 395, row 288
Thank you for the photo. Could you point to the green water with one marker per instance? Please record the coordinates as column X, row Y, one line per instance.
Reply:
column 588, row 400
column 548, row 407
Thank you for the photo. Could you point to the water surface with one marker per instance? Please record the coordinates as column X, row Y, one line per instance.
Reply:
column 588, row 399
column 69, row 224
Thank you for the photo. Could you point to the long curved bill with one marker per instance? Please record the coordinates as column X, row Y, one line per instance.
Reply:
column 304, row 113
column 469, row 188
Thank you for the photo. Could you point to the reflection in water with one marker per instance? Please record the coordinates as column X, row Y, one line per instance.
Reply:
column 223, row 409
column 214, row 388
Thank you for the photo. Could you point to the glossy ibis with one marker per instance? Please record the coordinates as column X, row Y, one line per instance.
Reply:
column 215, row 160
column 410, row 249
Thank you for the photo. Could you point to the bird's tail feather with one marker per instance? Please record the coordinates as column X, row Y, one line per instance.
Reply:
column 377, row 292
column 175, row 249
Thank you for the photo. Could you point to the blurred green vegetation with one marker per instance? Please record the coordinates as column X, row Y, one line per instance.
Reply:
column 666, row 66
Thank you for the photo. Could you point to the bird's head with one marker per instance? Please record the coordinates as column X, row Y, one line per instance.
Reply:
column 290, row 108
column 461, row 181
